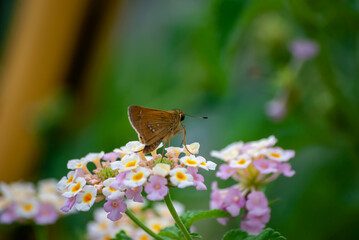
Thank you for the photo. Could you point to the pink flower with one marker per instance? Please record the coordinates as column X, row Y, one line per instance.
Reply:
column 225, row 171
column 216, row 197
column 111, row 156
column 256, row 200
column 156, row 188
column 119, row 180
column 46, row 214
column 285, row 168
column 252, row 226
column 68, row 204
column 198, row 179
column 114, row 209
column 258, row 213
column 304, row 49
column 234, row 201
column 135, row 194
column 265, row 166
column 9, row 215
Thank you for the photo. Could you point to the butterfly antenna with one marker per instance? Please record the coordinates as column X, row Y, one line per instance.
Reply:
column 196, row 116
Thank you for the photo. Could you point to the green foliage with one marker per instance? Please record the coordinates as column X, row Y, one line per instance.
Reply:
column 266, row 234
column 235, row 234
column 190, row 217
column 172, row 232
column 121, row 236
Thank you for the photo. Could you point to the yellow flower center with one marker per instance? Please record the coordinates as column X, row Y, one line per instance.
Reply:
column 27, row 207
column 191, row 162
column 131, row 164
column 138, row 176
column 76, row 187
column 241, row 162
column 87, row 198
column 111, row 189
column 276, row 155
column 79, row 165
column 103, row 226
column 144, row 237
column 180, row 176
column 156, row 227
column 70, row 179
column 203, row 163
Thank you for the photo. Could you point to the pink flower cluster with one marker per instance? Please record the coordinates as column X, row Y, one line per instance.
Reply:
column 23, row 202
column 114, row 180
column 252, row 165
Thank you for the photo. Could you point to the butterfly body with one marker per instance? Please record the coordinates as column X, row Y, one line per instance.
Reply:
column 154, row 126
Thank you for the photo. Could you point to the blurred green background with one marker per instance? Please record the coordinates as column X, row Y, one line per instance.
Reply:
column 228, row 60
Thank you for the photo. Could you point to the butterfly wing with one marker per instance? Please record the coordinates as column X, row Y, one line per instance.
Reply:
column 151, row 125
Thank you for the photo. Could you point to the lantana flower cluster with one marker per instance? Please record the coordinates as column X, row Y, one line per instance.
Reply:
column 156, row 218
column 23, row 202
column 127, row 172
column 252, row 165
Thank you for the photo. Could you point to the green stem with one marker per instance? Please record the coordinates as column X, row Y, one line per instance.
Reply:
column 175, row 216
column 141, row 225
column 40, row 232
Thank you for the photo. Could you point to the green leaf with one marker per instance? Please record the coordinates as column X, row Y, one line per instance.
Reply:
column 195, row 235
column 121, row 236
column 267, row 234
column 172, row 232
column 190, row 217
column 235, row 234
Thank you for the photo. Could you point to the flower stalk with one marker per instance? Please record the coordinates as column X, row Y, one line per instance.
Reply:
column 175, row 216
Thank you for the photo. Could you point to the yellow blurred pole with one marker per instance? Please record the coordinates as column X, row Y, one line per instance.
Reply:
column 35, row 62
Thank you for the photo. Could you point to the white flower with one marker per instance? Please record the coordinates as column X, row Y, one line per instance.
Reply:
column 180, row 177
column 94, row 157
column 75, row 187
column 280, row 155
column 131, row 147
column 175, row 151
column 136, row 177
column 242, row 161
column 192, row 161
column 264, row 143
column 66, row 181
column 157, row 223
column 208, row 165
column 27, row 208
column 128, row 162
column 161, row 169
column 86, row 198
column 18, row 190
column 48, row 193
column 228, row 153
column 193, row 148
column 110, row 192
column 77, row 163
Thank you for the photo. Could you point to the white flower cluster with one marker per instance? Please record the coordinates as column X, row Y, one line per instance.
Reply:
column 21, row 201
column 155, row 218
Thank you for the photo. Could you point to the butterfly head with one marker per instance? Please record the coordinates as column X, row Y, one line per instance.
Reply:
column 179, row 113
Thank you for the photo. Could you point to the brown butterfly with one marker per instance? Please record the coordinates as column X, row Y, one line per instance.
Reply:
column 154, row 126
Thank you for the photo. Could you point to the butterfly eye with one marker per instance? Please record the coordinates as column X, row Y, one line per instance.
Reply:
column 182, row 117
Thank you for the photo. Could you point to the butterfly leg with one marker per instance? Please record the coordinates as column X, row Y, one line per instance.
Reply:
column 183, row 129
column 164, row 147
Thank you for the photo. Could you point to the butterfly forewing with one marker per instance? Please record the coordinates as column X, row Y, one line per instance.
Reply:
column 151, row 125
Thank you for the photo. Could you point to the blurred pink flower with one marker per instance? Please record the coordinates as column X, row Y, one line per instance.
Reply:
column 304, row 49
